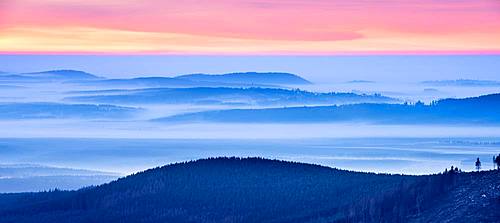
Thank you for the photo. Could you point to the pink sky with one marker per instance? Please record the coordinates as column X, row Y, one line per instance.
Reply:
column 249, row 26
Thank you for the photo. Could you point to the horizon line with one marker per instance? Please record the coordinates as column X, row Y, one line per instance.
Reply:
column 339, row 53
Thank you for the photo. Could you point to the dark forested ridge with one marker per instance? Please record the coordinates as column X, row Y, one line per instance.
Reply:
column 261, row 190
column 225, row 95
column 483, row 110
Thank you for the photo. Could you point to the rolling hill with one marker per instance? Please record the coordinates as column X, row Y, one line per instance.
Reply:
column 62, row 74
column 45, row 110
column 145, row 82
column 249, row 79
column 269, row 78
column 30, row 177
column 49, row 76
column 477, row 110
column 224, row 95
column 163, row 82
column 261, row 190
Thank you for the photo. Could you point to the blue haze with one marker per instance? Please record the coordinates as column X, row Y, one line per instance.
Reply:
column 72, row 119
column 319, row 69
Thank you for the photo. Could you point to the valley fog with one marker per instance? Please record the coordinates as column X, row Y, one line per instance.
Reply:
column 383, row 155
column 70, row 128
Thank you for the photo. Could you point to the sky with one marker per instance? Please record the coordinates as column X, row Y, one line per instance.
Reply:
column 249, row 27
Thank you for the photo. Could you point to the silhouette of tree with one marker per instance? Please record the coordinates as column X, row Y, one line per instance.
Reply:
column 478, row 164
column 496, row 160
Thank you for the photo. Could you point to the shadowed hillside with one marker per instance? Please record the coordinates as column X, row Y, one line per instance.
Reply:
column 483, row 109
column 244, row 190
column 223, row 95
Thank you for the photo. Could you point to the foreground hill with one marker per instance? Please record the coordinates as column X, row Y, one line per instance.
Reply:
column 474, row 197
column 224, row 95
column 251, row 190
column 483, row 110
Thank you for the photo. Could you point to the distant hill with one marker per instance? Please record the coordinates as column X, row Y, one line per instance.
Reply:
column 270, row 78
column 360, row 82
column 29, row 177
column 162, row 82
column 143, row 81
column 261, row 190
column 53, row 75
column 45, row 183
column 2, row 86
column 223, row 95
column 43, row 110
column 463, row 82
column 249, row 79
column 478, row 110
column 19, row 78
column 64, row 74
column 30, row 170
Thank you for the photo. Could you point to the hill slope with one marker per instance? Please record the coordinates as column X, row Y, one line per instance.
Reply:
column 239, row 190
column 475, row 197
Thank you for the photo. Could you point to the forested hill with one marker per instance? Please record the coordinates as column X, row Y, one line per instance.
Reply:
column 261, row 190
column 476, row 110
column 249, row 77
column 52, row 75
column 225, row 95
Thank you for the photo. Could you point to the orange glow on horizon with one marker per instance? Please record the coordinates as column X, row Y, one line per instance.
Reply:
column 248, row 27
